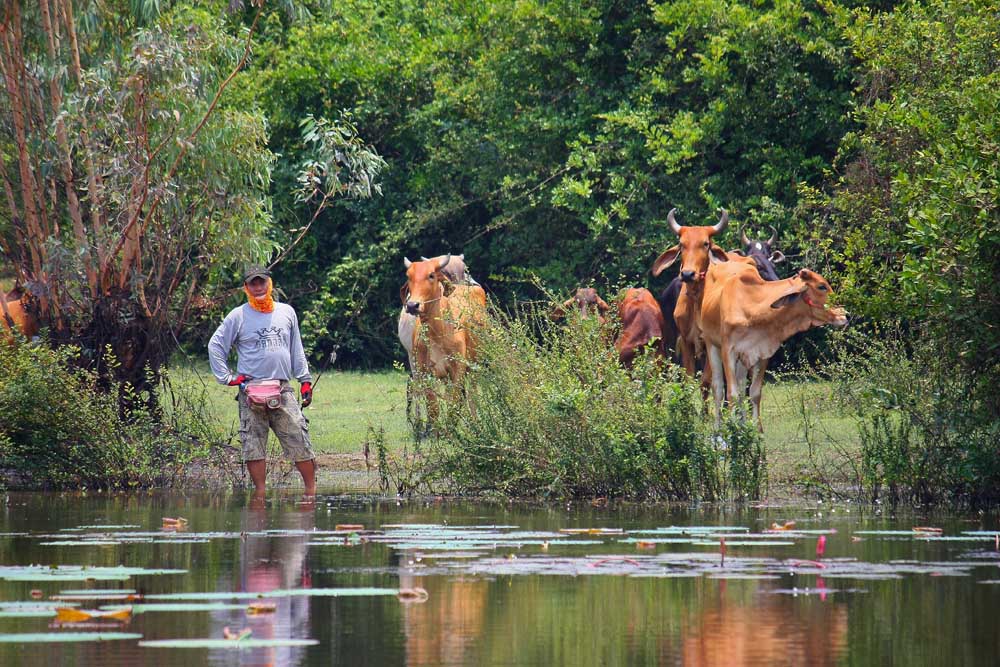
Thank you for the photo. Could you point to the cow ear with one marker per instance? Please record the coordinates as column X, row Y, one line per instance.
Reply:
column 790, row 295
column 666, row 259
column 777, row 257
column 717, row 255
column 447, row 286
column 738, row 251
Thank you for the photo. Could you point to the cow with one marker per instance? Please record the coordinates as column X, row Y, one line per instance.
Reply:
column 456, row 273
column 744, row 319
column 642, row 326
column 696, row 252
column 586, row 302
column 17, row 314
column 762, row 253
column 444, row 339
column 763, row 256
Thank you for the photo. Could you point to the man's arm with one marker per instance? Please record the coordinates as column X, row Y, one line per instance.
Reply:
column 219, row 346
column 300, row 367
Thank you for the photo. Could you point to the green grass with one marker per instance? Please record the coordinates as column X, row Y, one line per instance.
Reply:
column 345, row 405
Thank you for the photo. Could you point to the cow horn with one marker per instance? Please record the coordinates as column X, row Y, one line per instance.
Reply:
column 444, row 262
column 673, row 223
column 424, row 259
column 743, row 236
column 407, row 262
column 723, row 221
column 774, row 236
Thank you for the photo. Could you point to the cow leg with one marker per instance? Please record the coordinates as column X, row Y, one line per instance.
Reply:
column 687, row 355
column 741, row 372
column 718, row 379
column 732, row 382
column 756, row 390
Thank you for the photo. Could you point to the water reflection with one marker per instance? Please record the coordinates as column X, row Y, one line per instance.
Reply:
column 270, row 561
column 773, row 629
column 447, row 628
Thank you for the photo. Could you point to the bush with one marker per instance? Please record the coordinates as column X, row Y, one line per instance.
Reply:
column 926, row 430
column 550, row 412
column 61, row 429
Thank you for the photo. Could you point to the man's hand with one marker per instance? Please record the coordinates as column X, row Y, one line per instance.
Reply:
column 307, row 393
column 238, row 380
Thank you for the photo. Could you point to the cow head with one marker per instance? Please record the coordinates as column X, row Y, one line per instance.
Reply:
column 424, row 282
column 695, row 249
column 763, row 254
column 454, row 268
column 808, row 290
column 587, row 302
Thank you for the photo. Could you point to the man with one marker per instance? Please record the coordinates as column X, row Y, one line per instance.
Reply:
column 268, row 347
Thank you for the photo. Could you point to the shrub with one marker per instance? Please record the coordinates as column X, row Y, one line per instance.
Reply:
column 60, row 429
column 926, row 430
column 548, row 411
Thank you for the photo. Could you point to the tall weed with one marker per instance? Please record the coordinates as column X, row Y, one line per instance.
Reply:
column 549, row 412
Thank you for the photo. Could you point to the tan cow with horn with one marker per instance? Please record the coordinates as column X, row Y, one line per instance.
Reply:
column 696, row 251
column 744, row 319
column 444, row 339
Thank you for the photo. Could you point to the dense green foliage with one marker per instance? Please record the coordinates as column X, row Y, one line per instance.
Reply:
column 59, row 430
column 552, row 413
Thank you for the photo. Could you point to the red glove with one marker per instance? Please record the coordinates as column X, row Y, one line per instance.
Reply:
column 307, row 393
column 238, row 380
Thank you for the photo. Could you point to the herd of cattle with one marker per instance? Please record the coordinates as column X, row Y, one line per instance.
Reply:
column 727, row 311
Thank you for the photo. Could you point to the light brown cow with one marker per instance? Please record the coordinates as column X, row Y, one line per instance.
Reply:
column 455, row 273
column 444, row 339
column 642, row 325
column 16, row 314
column 585, row 302
column 696, row 252
column 744, row 319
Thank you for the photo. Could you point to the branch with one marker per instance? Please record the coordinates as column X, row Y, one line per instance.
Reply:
column 180, row 156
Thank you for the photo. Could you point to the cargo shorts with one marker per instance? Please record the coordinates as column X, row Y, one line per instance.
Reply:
column 288, row 422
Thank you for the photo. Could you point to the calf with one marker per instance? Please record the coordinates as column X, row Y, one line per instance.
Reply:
column 586, row 302
column 744, row 319
column 642, row 325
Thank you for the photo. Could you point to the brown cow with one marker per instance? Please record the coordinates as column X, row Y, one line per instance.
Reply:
column 696, row 252
column 586, row 302
column 444, row 337
column 16, row 313
column 642, row 325
column 744, row 319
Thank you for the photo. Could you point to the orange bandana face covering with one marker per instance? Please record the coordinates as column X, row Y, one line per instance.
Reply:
column 264, row 304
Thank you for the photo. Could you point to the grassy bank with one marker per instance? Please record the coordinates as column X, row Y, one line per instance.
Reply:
column 347, row 404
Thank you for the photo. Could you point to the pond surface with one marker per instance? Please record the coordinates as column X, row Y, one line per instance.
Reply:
column 489, row 584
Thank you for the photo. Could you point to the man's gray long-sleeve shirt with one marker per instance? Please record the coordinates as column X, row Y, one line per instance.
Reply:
column 268, row 345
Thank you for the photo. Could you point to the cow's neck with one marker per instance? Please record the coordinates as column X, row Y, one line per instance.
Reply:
column 437, row 328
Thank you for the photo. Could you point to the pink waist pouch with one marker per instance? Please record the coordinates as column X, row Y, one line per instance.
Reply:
column 263, row 394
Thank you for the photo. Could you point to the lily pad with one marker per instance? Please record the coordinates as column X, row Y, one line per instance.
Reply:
column 308, row 592
column 178, row 606
column 76, row 573
column 47, row 637
column 227, row 643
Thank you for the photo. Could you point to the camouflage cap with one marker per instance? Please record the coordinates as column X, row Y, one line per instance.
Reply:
column 255, row 271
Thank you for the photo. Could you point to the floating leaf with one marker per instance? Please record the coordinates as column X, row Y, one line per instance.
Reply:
column 227, row 643
column 307, row 592
column 178, row 607
column 47, row 637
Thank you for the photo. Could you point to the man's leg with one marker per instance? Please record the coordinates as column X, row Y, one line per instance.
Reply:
column 292, row 429
column 258, row 474
column 308, row 471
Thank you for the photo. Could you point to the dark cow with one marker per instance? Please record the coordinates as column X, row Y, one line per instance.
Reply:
column 17, row 313
column 642, row 325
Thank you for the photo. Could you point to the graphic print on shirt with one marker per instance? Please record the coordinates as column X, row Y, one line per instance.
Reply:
column 270, row 338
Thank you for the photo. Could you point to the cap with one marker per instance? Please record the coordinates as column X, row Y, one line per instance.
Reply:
column 255, row 272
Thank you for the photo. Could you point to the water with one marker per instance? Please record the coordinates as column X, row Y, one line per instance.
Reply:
column 504, row 585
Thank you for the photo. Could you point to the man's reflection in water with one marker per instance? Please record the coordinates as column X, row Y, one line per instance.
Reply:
column 448, row 628
column 775, row 629
column 271, row 561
